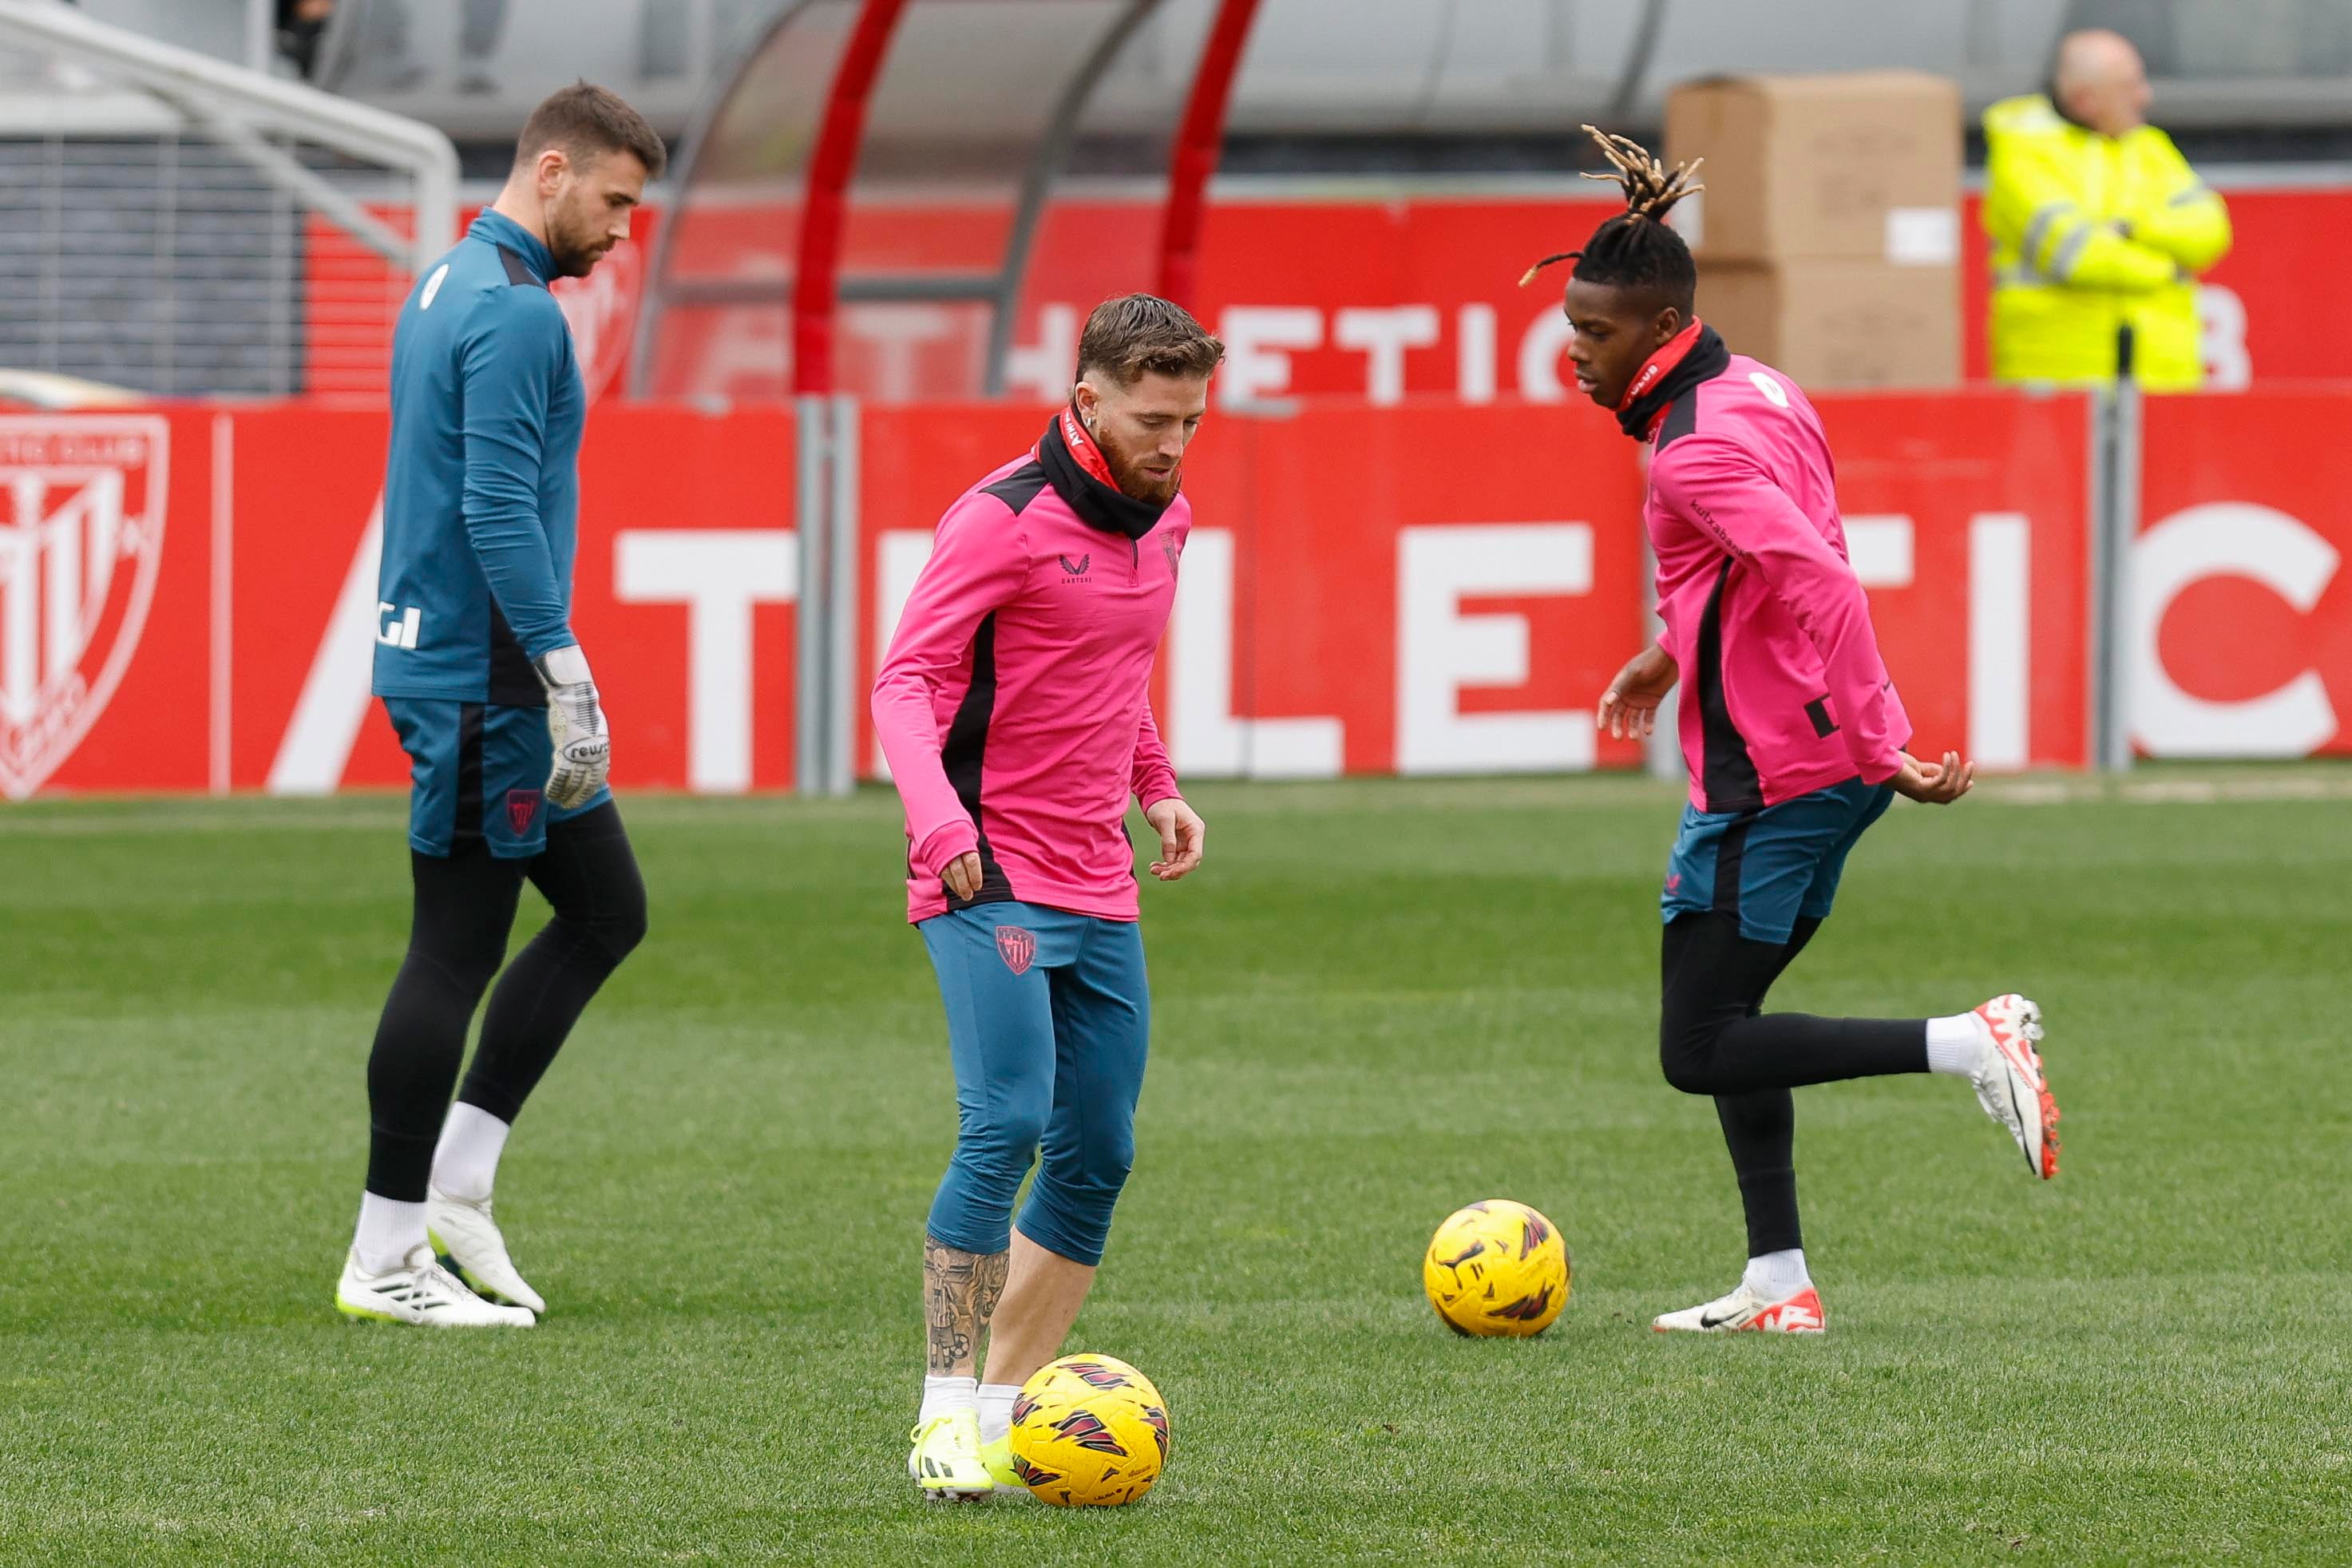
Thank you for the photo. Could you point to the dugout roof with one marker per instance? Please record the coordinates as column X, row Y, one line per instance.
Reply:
column 861, row 204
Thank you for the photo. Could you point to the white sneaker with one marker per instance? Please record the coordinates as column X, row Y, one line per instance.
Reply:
column 464, row 1231
column 420, row 1292
column 1745, row 1310
column 945, row 1463
column 2008, row 1081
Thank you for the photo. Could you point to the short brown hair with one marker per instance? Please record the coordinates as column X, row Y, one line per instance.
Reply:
column 586, row 122
column 1137, row 335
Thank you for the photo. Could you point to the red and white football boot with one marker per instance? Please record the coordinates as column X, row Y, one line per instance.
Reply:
column 2009, row 1080
column 1744, row 1311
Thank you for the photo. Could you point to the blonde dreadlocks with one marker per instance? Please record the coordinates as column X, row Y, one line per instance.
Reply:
column 1635, row 248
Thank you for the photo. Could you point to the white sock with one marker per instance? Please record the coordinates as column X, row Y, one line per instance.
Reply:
column 1955, row 1044
column 946, row 1396
column 1777, row 1276
column 389, row 1230
column 996, row 1409
column 466, row 1161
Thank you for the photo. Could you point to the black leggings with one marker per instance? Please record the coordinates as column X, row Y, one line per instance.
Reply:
column 464, row 909
column 1714, row 1038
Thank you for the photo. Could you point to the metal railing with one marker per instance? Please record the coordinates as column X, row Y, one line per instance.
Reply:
column 186, row 226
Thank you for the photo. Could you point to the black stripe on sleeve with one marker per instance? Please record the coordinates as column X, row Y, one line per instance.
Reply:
column 965, row 756
column 1818, row 711
column 1729, row 776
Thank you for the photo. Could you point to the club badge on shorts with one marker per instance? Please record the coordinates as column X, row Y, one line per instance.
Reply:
column 522, row 808
column 1019, row 947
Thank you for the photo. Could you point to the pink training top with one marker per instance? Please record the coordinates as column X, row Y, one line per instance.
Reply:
column 1013, row 702
column 1783, row 688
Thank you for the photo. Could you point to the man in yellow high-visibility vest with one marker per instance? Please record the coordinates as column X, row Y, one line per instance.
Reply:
column 2100, row 229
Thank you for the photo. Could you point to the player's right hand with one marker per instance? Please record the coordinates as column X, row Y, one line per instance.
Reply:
column 962, row 875
column 1935, row 784
column 575, row 724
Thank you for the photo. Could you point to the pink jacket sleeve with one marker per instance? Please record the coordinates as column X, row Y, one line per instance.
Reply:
column 978, row 563
column 1718, row 486
column 1155, row 778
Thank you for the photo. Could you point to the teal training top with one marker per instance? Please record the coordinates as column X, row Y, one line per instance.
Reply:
column 481, row 488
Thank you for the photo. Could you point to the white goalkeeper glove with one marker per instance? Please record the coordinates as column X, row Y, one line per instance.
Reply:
column 575, row 723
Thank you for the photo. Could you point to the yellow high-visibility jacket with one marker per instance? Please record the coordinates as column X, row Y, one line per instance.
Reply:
column 2094, row 237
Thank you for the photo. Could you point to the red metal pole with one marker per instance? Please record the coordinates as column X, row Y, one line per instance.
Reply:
column 1200, row 139
column 825, row 204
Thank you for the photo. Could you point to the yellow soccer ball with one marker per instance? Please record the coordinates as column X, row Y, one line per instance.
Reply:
column 1090, row 1431
column 1497, row 1269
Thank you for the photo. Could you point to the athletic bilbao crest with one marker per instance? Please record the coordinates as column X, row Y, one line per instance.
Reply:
column 81, row 542
column 1019, row 947
column 522, row 809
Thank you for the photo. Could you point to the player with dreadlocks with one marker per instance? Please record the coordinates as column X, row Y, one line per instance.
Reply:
column 1792, row 732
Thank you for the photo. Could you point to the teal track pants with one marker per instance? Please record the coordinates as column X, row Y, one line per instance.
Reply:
column 1049, row 1016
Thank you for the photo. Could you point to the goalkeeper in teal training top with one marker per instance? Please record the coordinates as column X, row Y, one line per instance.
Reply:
column 493, row 701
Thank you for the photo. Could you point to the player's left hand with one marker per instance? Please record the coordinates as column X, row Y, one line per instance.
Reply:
column 575, row 724
column 1935, row 784
column 1182, row 836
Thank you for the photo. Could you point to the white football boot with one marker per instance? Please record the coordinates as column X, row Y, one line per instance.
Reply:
column 945, row 1463
column 420, row 1292
column 465, row 1232
column 2008, row 1081
column 1747, row 1311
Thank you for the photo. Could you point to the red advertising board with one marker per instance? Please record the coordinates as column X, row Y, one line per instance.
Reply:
column 1419, row 589
column 2237, row 638
column 1432, row 588
column 1967, row 518
column 1379, row 299
column 187, row 599
column 1427, row 589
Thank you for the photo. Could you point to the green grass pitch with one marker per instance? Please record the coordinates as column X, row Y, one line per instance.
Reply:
column 1377, row 1002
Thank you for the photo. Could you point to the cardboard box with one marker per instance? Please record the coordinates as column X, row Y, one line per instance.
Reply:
column 1832, row 322
column 1865, row 165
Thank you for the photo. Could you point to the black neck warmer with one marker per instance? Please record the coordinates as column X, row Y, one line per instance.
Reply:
column 1097, row 503
column 1704, row 361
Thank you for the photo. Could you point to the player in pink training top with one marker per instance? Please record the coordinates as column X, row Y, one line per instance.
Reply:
column 1791, row 730
column 1011, row 707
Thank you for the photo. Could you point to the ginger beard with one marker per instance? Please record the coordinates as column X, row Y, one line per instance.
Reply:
column 1143, row 429
column 1132, row 470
